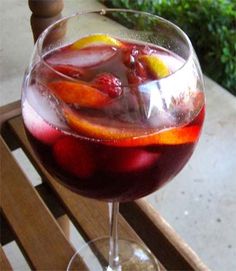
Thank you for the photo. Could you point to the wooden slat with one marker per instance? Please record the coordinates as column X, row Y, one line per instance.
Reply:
column 90, row 216
column 4, row 263
column 39, row 235
column 7, row 112
column 172, row 251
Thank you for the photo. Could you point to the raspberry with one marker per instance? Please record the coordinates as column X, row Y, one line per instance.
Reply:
column 109, row 84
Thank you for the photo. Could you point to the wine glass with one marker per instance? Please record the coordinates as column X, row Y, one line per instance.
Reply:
column 113, row 105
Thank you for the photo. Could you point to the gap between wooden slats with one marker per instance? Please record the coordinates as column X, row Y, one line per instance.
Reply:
column 40, row 237
column 89, row 216
column 6, row 234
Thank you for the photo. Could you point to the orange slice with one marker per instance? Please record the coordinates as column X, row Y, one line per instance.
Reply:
column 78, row 93
column 156, row 65
column 94, row 40
column 89, row 127
column 172, row 136
column 130, row 137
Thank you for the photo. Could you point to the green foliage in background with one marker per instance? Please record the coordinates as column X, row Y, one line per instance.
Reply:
column 211, row 26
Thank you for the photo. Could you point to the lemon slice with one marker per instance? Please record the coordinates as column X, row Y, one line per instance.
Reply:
column 96, row 39
column 156, row 65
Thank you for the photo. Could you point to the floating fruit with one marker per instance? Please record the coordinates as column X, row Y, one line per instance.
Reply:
column 172, row 136
column 109, row 84
column 90, row 127
column 156, row 65
column 94, row 40
column 78, row 93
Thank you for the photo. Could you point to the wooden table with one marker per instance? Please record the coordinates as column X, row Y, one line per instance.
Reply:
column 37, row 217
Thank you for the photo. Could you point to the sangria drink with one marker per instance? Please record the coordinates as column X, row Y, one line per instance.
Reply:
column 113, row 117
column 100, row 138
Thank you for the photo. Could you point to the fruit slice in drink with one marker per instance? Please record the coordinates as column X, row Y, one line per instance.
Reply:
column 156, row 65
column 128, row 136
column 78, row 93
column 96, row 39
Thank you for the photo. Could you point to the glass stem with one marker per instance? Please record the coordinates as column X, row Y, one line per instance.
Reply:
column 114, row 249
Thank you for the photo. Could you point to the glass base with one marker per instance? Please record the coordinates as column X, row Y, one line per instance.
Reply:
column 132, row 256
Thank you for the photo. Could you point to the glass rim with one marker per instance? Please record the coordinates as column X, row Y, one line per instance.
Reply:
column 103, row 11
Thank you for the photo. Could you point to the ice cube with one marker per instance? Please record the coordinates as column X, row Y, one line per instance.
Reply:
column 46, row 106
column 154, row 106
column 82, row 58
column 40, row 129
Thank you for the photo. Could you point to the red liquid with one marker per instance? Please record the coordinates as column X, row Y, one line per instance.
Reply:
column 109, row 169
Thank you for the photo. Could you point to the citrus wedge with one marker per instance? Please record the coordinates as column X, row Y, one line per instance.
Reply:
column 95, row 39
column 130, row 137
column 78, row 93
column 156, row 65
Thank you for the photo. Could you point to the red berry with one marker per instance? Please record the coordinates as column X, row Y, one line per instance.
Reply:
column 74, row 157
column 109, row 84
